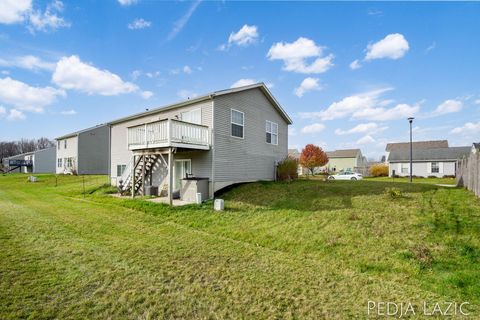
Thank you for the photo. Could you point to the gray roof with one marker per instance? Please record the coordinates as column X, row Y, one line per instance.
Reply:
column 347, row 153
column 76, row 133
column 294, row 153
column 452, row 153
column 210, row 96
column 417, row 145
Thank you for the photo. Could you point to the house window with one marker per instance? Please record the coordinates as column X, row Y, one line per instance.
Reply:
column 435, row 167
column 120, row 169
column 271, row 129
column 238, row 123
column 405, row 167
column 193, row 116
column 59, row 162
column 58, row 145
column 65, row 144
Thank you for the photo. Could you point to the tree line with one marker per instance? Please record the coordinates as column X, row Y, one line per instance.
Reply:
column 12, row 148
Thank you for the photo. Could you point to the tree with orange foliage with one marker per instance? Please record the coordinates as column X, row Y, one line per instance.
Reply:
column 313, row 156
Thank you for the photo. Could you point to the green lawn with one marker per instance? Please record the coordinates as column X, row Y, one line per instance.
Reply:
column 308, row 249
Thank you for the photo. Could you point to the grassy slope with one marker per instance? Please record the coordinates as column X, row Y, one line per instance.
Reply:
column 307, row 249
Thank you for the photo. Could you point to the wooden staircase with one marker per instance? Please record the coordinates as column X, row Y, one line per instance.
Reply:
column 143, row 167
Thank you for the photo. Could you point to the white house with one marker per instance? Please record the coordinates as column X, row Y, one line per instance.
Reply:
column 396, row 146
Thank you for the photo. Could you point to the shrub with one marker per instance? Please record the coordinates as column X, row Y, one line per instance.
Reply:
column 449, row 176
column 379, row 170
column 432, row 176
column 287, row 169
column 393, row 193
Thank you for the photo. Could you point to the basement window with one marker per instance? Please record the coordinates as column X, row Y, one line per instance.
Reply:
column 238, row 123
column 120, row 169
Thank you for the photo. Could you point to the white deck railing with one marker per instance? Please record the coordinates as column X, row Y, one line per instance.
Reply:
column 166, row 133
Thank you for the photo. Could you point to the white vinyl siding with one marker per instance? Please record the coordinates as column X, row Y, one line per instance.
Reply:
column 237, row 123
column 271, row 129
column 193, row 116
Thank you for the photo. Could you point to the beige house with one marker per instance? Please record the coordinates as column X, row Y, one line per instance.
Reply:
column 345, row 160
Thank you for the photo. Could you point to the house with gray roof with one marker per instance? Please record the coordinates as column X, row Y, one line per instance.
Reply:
column 345, row 160
column 204, row 143
column 436, row 162
column 431, row 144
column 39, row 161
column 84, row 152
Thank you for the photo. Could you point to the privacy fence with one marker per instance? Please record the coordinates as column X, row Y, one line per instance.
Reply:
column 468, row 173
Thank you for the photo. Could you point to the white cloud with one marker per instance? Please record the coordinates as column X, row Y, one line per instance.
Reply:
column 186, row 94
column 71, row 73
column 355, row 65
column 448, row 106
column 393, row 46
column 468, row 128
column 127, row 2
column 477, row 101
column 3, row 111
column 313, row 128
column 243, row 82
column 48, row 20
column 146, row 94
column 15, row 115
column 70, row 112
column 295, row 55
column 14, row 11
column 367, row 105
column 180, row 23
column 244, row 37
column 366, row 140
column 28, row 62
column 24, row 97
column 369, row 128
column 308, row 84
column 187, row 70
column 139, row 24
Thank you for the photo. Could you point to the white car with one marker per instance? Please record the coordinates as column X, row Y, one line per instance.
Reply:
column 346, row 176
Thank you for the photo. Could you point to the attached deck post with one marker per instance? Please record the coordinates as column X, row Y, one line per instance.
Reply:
column 170, row 176
column 143, row 175
column 133, row 176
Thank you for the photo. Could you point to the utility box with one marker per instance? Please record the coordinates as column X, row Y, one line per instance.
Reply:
column 151, row 191
column 219, row 205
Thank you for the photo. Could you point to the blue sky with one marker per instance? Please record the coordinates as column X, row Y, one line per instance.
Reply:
column 347, row 73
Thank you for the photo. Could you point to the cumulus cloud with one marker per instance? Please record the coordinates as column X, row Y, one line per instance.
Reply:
column 70, row 112
column 185, row 69
column 3, row 111
column 139, row 24
column 448, row 106
column 313, row 128
column 355, row 65
column 244, row 37
column 368, row 105
column 15, row 115
column 127, row 2
column 296, row 56
column 28, row 62
column 308, row 84
column 73, row 74
column 468, row 128
column 393, row 46
column 243, row 82
column 370, row 128
column 477, row 101
column 146, row 94
column 14, row 11
column 25, row 97
column 366, row 140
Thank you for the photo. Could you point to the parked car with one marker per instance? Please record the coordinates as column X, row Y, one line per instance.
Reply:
column 346, row 176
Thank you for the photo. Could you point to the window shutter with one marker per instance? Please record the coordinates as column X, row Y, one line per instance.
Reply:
column 440, row 167
column 429, row 167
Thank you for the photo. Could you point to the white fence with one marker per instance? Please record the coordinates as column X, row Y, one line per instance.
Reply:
column 468, row 173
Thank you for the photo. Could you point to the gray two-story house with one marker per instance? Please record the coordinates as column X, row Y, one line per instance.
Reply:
column 84, row 152
column 225, row 137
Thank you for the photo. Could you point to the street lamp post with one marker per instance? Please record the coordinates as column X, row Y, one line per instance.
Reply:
column 410, row 120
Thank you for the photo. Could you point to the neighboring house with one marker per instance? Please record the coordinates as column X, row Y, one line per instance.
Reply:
column 295, row 154
column 84, row 152
column 476, row 147
column 402, row 146
column 40, row 161
column 225, row 137
column 345, row 160
column 437, row 162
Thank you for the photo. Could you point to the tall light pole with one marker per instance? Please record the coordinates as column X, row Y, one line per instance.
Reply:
column 410, row 120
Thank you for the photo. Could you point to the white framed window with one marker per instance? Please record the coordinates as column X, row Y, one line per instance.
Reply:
column 59, row 161
column 271, row 129
column 237, row 123
column 193, row 116
column 120, row 169
column 405, row 167
column 435, row 167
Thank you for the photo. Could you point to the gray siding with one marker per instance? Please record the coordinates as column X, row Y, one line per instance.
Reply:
column 251, row 158
column 93, row 151
column 421, row 169
column 44, row 161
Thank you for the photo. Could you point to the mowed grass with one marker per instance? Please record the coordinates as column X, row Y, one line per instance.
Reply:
column 306, row 249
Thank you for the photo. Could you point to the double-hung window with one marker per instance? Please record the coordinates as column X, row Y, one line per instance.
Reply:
column 271, row 129
column 120, row 169
column 59, row 162
column 238, row 123
column 435, row 167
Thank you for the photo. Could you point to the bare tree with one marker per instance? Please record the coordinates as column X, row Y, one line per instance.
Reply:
column 43, row 143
